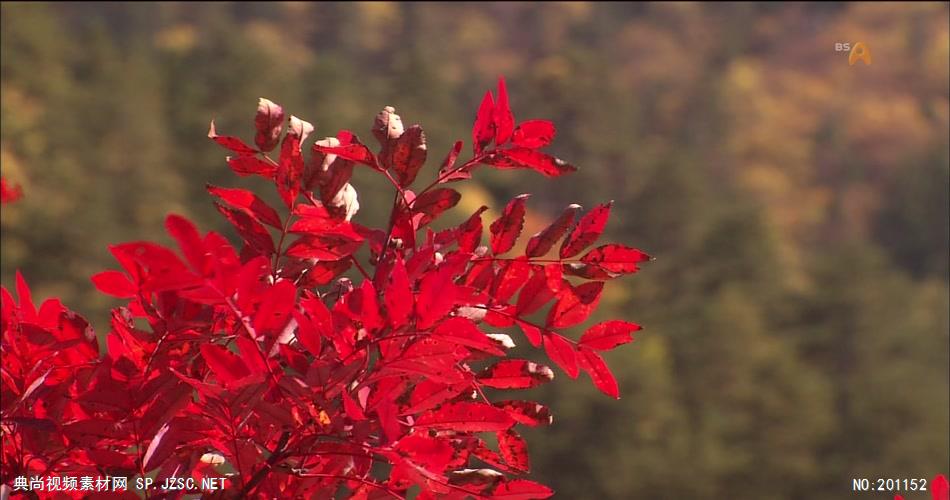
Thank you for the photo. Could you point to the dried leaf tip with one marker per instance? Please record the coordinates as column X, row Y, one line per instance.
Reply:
column 387, row 125
column 300, row 128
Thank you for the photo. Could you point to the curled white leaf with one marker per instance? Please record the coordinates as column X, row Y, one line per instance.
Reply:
column 503, row 339
column 213, row 458
column 300, row 128
column 347, row 201
column 475, row 314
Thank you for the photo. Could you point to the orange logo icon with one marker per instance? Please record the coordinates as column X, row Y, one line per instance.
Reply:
column 861, row 52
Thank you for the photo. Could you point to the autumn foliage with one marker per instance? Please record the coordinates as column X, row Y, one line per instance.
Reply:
column 260, row 363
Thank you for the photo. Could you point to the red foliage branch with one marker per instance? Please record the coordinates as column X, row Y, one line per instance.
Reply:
column 264, row 366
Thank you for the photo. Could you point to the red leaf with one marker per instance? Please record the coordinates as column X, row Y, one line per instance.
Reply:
column 247, row 202
column 268, row 121
column 466, row 417
column 290, row 168
column 939, row 488
column 436, row 297
column 431, row 357
column 329, row 171
column 505, row 230
column 448, row 164
column 362, row 306
column 324, row 272
column 534, row 134
column 250, row 165
column 510, row 278
column 561, row 351
column 428, row 394
column 574, row 304
column 398, row 296
column 114, row 283
column 531, row 332
column 490, row 457
column 433, row 203
column 318, row 312
column 515, row 374
column 432, row 453
column 308, row 334
column 470, row 232
column 352, row 409
column 164, row 270
column 535, row 293
column 481, row 274
column 227, row 367
column 521, row 489
column 314, row 219
column 541, row 243
column 609, row 334
column 251, row 355
column 463, row 331
column 229, row 142
column 356, row 151
column 409, row 154
column 615, row 258
column 325, row 247
column 519, row 157
column 526, row 412
column 484, row 129
column 588, row 229
column 514, row 450
column 189, row 241
column 502, row 117
column 594, row 365
column 273, row 313
column 253, row 233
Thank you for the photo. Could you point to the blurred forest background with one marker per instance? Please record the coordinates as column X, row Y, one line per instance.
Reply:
column 796, row 317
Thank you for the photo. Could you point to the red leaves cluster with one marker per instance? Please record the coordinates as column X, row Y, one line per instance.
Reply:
column 515, row 147
column 262, row 364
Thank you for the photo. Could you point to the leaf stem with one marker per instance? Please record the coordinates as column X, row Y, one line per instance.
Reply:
column 470, row 163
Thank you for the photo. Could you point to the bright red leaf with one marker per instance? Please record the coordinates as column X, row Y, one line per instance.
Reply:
column 561, row 351
column 228, row 368
column 466, row 417
column 505, row 230
column 541, row 243
column 431, row 204
column 521, row 489
column 514, row 450
column 483, row 132
column 247, row 202
column 515, row 374
column 502, row 117
column 232, row 143
column 609, row 334
column 519, row 157
column 574, row 304
column 587, row 230
column 594, row 365
column 534, row 134
column 616, row 259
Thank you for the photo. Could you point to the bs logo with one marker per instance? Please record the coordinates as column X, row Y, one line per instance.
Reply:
column 860, row 51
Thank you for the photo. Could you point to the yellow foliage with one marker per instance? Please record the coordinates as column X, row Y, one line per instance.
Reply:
column 177, row 38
